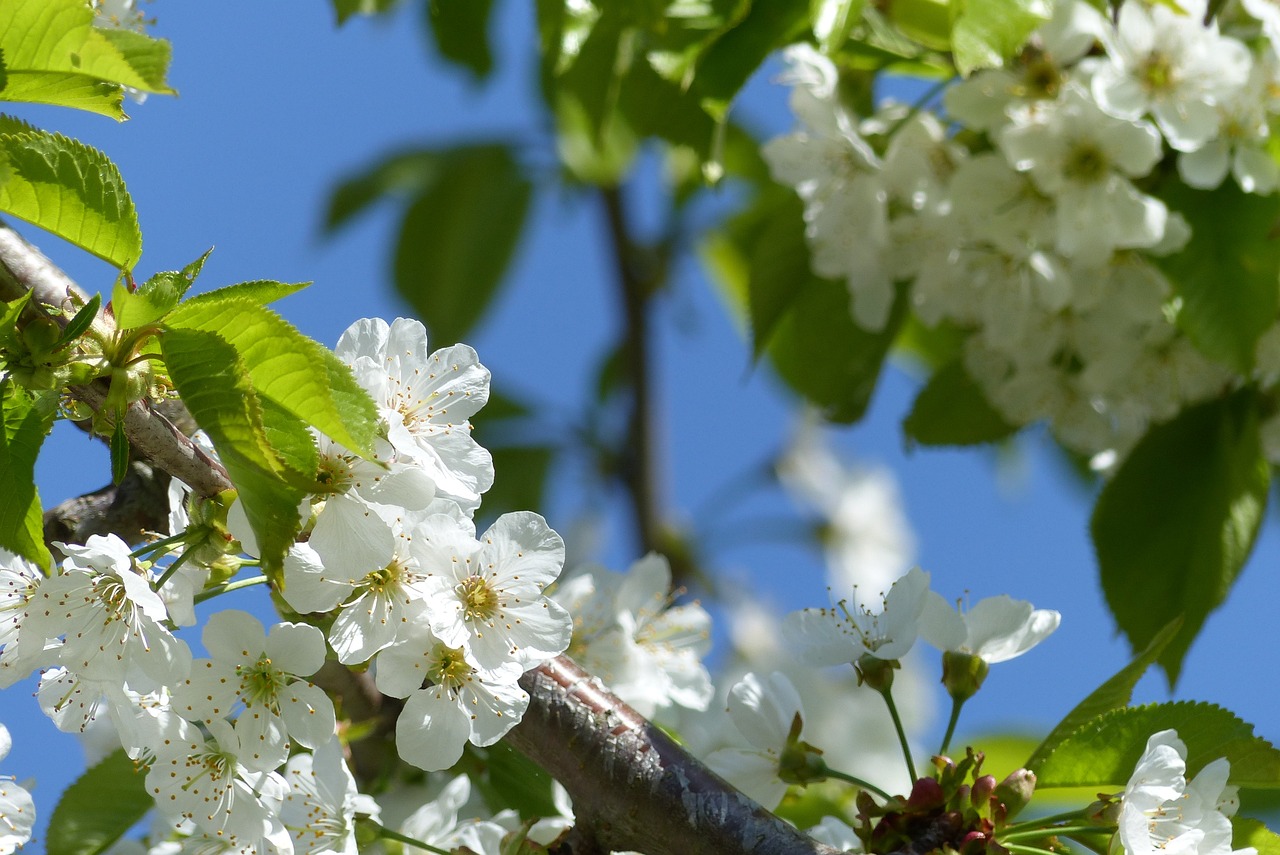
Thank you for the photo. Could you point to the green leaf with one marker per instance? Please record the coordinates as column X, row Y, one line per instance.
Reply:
column 522, row 476
column 216, row 386
column 1248, row 832
column 58, row 35
column 103, row 803
column 952, row 410
column 156, row 297
column 260, row 291
column 1113, row 694
column 458, row 237
column 1104, row 752
column 726, row 64
column 408, row 172
column 513, row 780
column 1228, row 275
column 72, row 190
column 985, row 33
column 459, row 31
column 302, row 376
column 1176, row 523
column 61, row 89
column 27, row 421
column 593, row 76
column 82, row 321
column 119, row 452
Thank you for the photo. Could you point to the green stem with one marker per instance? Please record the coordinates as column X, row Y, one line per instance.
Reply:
column 387, row 833
column 228, row 587
column 1042, row 821
column 858, row 782
column 1027, row 850
column 956, row 705
column 172, row 568
column 887, row 694
column 157, row 544
column 1051, row 831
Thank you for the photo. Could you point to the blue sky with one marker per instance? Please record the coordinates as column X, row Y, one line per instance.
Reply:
column 276, row 105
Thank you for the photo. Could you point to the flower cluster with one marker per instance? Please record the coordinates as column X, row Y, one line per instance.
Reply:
column 239, row 747
column 1031, row 213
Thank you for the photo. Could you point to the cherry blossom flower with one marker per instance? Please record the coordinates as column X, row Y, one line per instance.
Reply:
column 204, row 780
column 766, row 713
column 256, row 674
column 1167, row 62
column 112, row 621
column 320, row 808
column 847, row 631
column 17, row 810
column 996, row 629
column 626, row 632
column 426, row 400
column 461, row 702
column 1162, row 813
column 487, row 596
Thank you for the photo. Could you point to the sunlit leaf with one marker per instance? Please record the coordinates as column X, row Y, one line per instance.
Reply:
column 96, row 810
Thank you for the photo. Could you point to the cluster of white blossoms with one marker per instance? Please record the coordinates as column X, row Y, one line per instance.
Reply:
column 239, row 748
column 1023, row 216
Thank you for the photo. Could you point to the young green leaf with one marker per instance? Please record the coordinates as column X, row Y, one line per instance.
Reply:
column 738, row 51
column 1113, row 694
column 156, row 297
column 985, row 33
column 72, row 190
column 82, row 321
column 61, row 89
column 27, row 421
column 96, row 810
column 1103, row 752
column 1232, row 241
column 1176, row 523
column 260, row 291
column 304, row 377
column 1250, row 833
column 216, row 386
column 952, row 410
column 515, row 781
column 458, row 237
column 119, row 452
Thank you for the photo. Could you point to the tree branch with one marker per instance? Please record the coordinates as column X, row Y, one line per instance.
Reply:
column 633, row 786
column 24, row 268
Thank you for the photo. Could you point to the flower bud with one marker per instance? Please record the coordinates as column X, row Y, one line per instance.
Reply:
column 1015, row 791
column 963, row 673
column 926, row 795
column 983, row 788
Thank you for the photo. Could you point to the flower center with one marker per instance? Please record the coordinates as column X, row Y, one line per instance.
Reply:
column 1085, row 163
column 261, row 682
column 480, row 601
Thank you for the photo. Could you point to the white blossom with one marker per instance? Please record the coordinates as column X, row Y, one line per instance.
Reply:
column 321, row 805
column 1162, row 813
column 426, row 400
column 847, row 631
column 764, row 713
column 627, row 633
column 996, row 629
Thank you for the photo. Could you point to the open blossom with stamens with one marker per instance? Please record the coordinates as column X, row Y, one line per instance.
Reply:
column 767, row 713
column 320, row 808
column 626, row 632
column 1162, row 813
column 460, row 703
column 257, row 675
column 426, row 400
column 17, row 810
column 847, row 631
column 487, row 596
column 373, row 574
column 110, row 618
column 205, row 781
